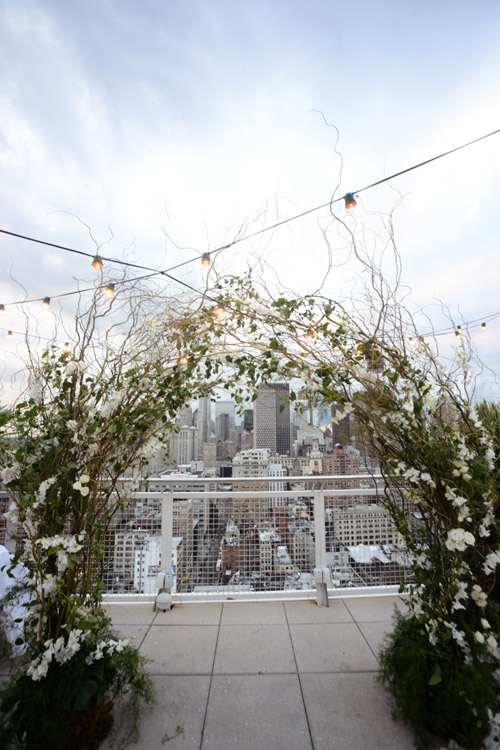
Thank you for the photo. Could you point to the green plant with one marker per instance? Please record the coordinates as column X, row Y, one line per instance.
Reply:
column 434, row 688
column 71, row 705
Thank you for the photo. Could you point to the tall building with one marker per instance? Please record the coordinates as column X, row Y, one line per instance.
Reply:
column 224, row 425
column 204, row 421
column 271, row 427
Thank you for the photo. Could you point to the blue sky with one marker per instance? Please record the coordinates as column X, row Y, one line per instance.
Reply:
column 199, row 115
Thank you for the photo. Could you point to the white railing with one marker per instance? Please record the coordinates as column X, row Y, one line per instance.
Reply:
column 250, row 538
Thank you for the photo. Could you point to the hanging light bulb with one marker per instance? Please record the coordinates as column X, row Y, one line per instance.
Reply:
column 459, row 328
column 411, row 339
column 2, row 309
column 483, row 325
column 219, row 311
column 97, row 262
column 9, row 334
column 310, row 336
column 183, row 361
column 205, row 259
column 350, row 201
column 109, row 290
column 46, row 302
column 66, row 346
column 458, row 332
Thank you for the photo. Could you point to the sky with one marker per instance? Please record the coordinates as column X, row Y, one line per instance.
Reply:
column 179, row 122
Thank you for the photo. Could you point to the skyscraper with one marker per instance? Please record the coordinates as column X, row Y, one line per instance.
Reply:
column 223, row 426
column 271, row 427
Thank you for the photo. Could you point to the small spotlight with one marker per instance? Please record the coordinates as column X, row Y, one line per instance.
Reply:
column 9, row 334
column 350, row 201
column 2, row 309
column 205, row 259
column 46, row 302
column 110, row 290
column 97, row 262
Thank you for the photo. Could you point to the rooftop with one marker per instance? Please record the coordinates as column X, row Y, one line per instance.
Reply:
column 249, row 675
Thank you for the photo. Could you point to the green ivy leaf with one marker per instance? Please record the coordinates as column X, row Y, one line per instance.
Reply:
column 436, row 676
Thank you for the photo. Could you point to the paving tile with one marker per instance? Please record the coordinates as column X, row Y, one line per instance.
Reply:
column 181, row 702
column 352, row 712
column 254, row 649
column 256, row 711
column 190, row 614
column 304, row 612
column 331, row 647
column 130, row 614
column 180, row 649
column 374, row 609
column 248, row 613
column 375, row 632
column 136, row 633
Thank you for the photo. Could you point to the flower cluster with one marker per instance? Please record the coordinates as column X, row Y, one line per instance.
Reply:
column 60, row 651
column 106, row 646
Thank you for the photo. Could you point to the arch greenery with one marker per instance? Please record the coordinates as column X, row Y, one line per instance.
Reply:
column 95, row 413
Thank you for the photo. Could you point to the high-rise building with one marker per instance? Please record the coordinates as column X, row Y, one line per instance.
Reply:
column 223, row 425
column 271, row 427
column 204, row 420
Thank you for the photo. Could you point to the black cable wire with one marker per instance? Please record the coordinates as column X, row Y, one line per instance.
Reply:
column 240, row 239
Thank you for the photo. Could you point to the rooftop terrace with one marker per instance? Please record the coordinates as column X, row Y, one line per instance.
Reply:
column 286, row 674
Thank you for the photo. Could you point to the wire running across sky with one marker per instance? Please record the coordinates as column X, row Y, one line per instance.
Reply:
column 167, row 272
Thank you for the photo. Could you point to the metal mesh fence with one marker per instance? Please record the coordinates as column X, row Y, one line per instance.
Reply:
column 239, row 538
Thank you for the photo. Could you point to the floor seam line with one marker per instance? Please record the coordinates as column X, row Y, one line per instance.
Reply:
column 211, row 678
column 298, row 677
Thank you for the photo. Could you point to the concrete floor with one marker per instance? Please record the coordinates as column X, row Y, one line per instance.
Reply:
column 277, row 675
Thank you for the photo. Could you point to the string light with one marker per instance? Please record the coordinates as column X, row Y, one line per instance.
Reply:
column 483, row 325
column 349, row 199
column 2, row 309
column 97, row 263
column 350, row 202
column 109, row 290
column 205, row 259
column 310, row 336
column 458, row 332
column 219, row 311
column 9, row 334
column 66, row 346
column 183, row 361
column 46, row 302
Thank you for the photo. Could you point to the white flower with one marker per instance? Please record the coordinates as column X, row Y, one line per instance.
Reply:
column 459, row 596
column 62, row 561
column 479, row 637
column 491, row 562
column 479, row 596
column 484, row 529
column 37, row 670
column 10, row 473
column 485, row 623
column 12, row 514
column 491, row 641
column 458, row 539
column 49, row 585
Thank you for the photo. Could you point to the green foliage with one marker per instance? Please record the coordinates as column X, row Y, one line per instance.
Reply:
column 434, row 689
column 71, row 707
